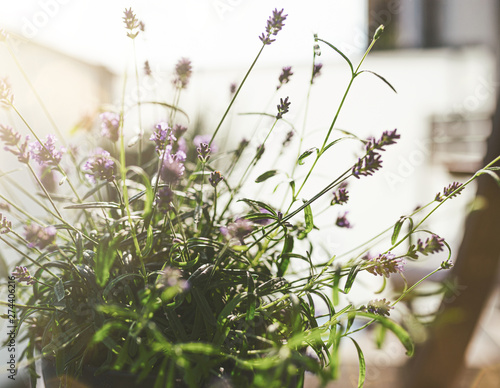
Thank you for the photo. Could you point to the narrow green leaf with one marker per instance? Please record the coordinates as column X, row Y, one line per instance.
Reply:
column 94, row 205
column 401, row 333
column 59, row 290
column 335, row 142
column 308, row 215
column 259, row 205
column 397, row 229
column 382, row 78
column 350, row 278
column 362, row 365
column 380, row 332
column 292, row 186
column 266, row 176
column 340, row 52
column 305, row 154
column 149, row 242
column 285, row 257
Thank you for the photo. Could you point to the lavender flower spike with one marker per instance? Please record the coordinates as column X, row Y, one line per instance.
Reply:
column 162, row 136
column 131, row 22
column 183, row 71
column 6, row 97
column 110, row 126
column 172, row 168
column 215, row 178
column 274, row 25
column 99, row 166
column 23, row 275
column 282, row 107
column 342, row 221
column 432, row 245
column 5, row 225
column 385, row 264
column 38, row 236
column 284, row 77
column 367, row 165
column 448, row 190
column 9, row 136
column 164, row 198
column 379, row 307
column 237, row 230
column 316, row 71
column 46, row 154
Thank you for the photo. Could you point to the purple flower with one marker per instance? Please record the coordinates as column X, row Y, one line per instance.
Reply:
column 23, row 275
column 288, row 138
column 183, row 71
column 379, row 307
column 110, row 126
column 164, row 198
column 385, row 264
column 39, row 236
column 215, row 178
column 46, row 153
column 6, row 97
column 342, row 221
column 282, row 107
column 316, row 71
column 431, row 245
column 99, row 166
column 9, row 136
column 172, row 277
column 162, row 136
column 205, row 139
column 448, row 190
column 179, row 130
column 131, row 22
column 387, row 138
column 203, row 152
column 284, row 77
column 5, row 225
column 237, row 230
column 23, row 155
column 147, row 68
column 172, row 168
column 264, row 221
column 274, row 25
column 340, row 196
column 367, row 165
column 232, row 88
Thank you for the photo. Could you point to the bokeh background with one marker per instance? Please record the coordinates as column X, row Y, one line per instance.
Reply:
column 440, row 55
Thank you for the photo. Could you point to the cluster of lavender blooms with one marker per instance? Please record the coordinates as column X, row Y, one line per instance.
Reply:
column 380, row 307
column 45, row 154
column 39, row 236
column 316, row 71
column 237, row 230
column 23, row 275
column 5, row 225
column 431, row 245
column 274, row 25
column 183, row 71
column 6, row 97
column 110, row 126
column 341, row 196
column 342, row 221
column 284, row 77
column 283, row 107
column 384, row 264
column 372, row 161
column 100, row 166
column 132, row 24
column 452, row 189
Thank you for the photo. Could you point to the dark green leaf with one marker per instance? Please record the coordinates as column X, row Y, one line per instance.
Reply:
column 149, row 242
column 401, row 333
column 266, row 176
column 397, row 229
column 362, row 365
column 379, row 76
column 308, row 215
column 259, row 205
column 350, row 278
column 340, row 52
column 59, row 290
column 285, row 255
column 305, row 154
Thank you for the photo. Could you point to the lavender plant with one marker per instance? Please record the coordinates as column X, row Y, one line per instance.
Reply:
column 152, row 269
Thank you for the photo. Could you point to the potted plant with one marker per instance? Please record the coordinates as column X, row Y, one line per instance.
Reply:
column 162, row 272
